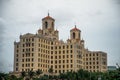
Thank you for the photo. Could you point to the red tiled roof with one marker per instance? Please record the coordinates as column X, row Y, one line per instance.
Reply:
column 75, row 29
column 48, row 17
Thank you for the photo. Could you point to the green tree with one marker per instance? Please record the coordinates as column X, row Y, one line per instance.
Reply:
column 13, row 77
column 5, row 76
column 31, row 73
column 2, row 76
column 38, row 72
column 50, row 70
column 23, row 74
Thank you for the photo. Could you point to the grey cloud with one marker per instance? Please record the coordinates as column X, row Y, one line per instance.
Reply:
column 96, row 18
column 116, row 1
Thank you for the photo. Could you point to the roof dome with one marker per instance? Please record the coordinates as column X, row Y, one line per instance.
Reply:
column 75, row 29
column 48, row 17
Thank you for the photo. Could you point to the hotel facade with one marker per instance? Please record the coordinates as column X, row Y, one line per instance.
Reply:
column 44, row 50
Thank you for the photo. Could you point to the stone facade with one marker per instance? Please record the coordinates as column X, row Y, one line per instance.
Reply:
column 44, row 50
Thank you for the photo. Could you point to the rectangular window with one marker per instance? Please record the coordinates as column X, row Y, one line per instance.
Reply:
column 17, row 51
column 32, row 39
column 22, row 65
column 70, row 46
column 55, row 47
column 59, row 52
column 59, row 71
column 67, row 66
column 59, row 57
column 55, row 71
column 32, row 49
column 23, row 50
column 97, row 54
column 67, row 61
column 59, row 66
column 56, row 62
column 86, row 58
column 55, row 66
column 90, row 54
column 67, row 51
column 63, row 71
column 67, row 56
column 63, row 47
column 63, row 51
column 32, row 44
column 63, row 61
column 32, row 54
column 63, row 56
column 32, row 59
column 16, row 69
column 59, row 61
column 23, row 40
column 71, row 65
column 55, row 57
column 51, row 52
column 32, row 64
column 67, row 46
column 51, row 48
column 17, row 46
column 86, row 54
column 23, row 55
column 55, row 52
column 23, row 45
column 16, row 64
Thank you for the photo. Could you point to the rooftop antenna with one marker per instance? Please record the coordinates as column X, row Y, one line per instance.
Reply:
column 48, row 13
column 75, row 24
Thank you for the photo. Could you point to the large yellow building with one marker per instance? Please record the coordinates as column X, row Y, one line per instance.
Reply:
column 44, row 50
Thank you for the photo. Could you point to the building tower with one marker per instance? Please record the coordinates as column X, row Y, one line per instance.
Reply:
column 75, row 34
column 47, row 24
column 44, row 50
column 48, row 28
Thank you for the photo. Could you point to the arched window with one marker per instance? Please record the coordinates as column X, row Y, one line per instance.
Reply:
column 46, row 24
column 73, row 35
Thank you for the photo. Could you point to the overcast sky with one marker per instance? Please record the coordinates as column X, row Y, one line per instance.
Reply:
column 99, row 21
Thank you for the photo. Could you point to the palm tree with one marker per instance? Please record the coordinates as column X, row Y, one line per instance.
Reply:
column 31, row 74
column 38, row 72
column 2, row 76
column 13, row 77
column 50, row 71
column 23, row 74
column 69, row 75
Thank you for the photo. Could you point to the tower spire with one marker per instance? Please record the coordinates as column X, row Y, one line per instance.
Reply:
column 48, row 13
column 75, row 24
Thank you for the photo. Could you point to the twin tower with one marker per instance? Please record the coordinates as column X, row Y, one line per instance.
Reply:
column 48, row 30
column 44, row 50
